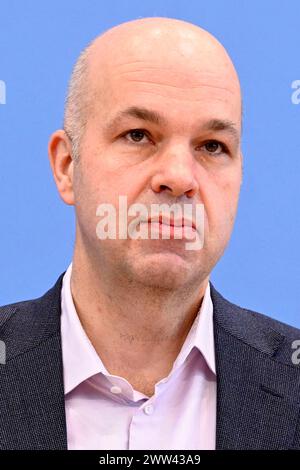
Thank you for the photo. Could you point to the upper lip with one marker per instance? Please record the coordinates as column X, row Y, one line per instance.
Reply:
column 175, row 222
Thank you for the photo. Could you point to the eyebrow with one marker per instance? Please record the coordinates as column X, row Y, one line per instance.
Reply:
column 139, row 113
column 223, row 125
column 149, row 115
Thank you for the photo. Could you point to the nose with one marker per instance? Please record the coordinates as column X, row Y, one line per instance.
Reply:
column 175, row 172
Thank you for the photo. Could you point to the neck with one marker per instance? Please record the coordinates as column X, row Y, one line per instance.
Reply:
column 133, row 328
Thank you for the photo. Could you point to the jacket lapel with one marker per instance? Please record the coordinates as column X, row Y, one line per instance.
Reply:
column 256, row 395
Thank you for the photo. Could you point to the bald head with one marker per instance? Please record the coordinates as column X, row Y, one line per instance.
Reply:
column 182, row 49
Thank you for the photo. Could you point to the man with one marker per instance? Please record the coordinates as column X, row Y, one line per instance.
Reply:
column 133, row 348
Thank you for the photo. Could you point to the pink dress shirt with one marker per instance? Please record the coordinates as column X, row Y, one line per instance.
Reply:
column 103, row 411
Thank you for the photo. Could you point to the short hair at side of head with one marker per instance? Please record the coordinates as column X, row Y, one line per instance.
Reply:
column 77, row 101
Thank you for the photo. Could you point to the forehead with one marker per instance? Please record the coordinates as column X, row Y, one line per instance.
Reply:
column 176, row 86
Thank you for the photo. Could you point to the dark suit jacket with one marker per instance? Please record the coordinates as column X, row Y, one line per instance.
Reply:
column 258, row 386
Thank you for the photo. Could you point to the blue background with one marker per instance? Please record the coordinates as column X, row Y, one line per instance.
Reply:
column 39, row 42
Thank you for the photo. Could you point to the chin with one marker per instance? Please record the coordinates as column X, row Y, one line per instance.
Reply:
column 165, row 271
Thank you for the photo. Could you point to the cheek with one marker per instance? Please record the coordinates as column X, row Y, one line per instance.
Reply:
column 91, row 181
column 221, row 201
column 230, row 195
column 87, row 198
column 93, row 187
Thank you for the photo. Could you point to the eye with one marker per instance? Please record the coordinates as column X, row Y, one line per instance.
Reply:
column 214, row 147
column 136, row 136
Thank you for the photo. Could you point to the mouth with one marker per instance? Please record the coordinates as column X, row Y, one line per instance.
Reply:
column 168, row 221
column 166, row 227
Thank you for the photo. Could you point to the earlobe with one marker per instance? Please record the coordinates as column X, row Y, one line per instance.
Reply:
column 60, row 157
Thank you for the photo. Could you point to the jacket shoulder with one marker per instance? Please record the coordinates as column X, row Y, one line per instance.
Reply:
column 26, row 323
column 255, row 329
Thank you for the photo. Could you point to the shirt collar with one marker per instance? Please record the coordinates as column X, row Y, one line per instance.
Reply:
column 81, row 361
column 201, row 335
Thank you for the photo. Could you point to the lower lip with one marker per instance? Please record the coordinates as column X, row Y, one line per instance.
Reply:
column 172, row 232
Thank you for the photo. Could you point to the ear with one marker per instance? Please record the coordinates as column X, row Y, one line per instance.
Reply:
column 60, row 156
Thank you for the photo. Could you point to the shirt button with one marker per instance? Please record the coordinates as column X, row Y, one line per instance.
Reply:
column 148, row 409
column 115, row 389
